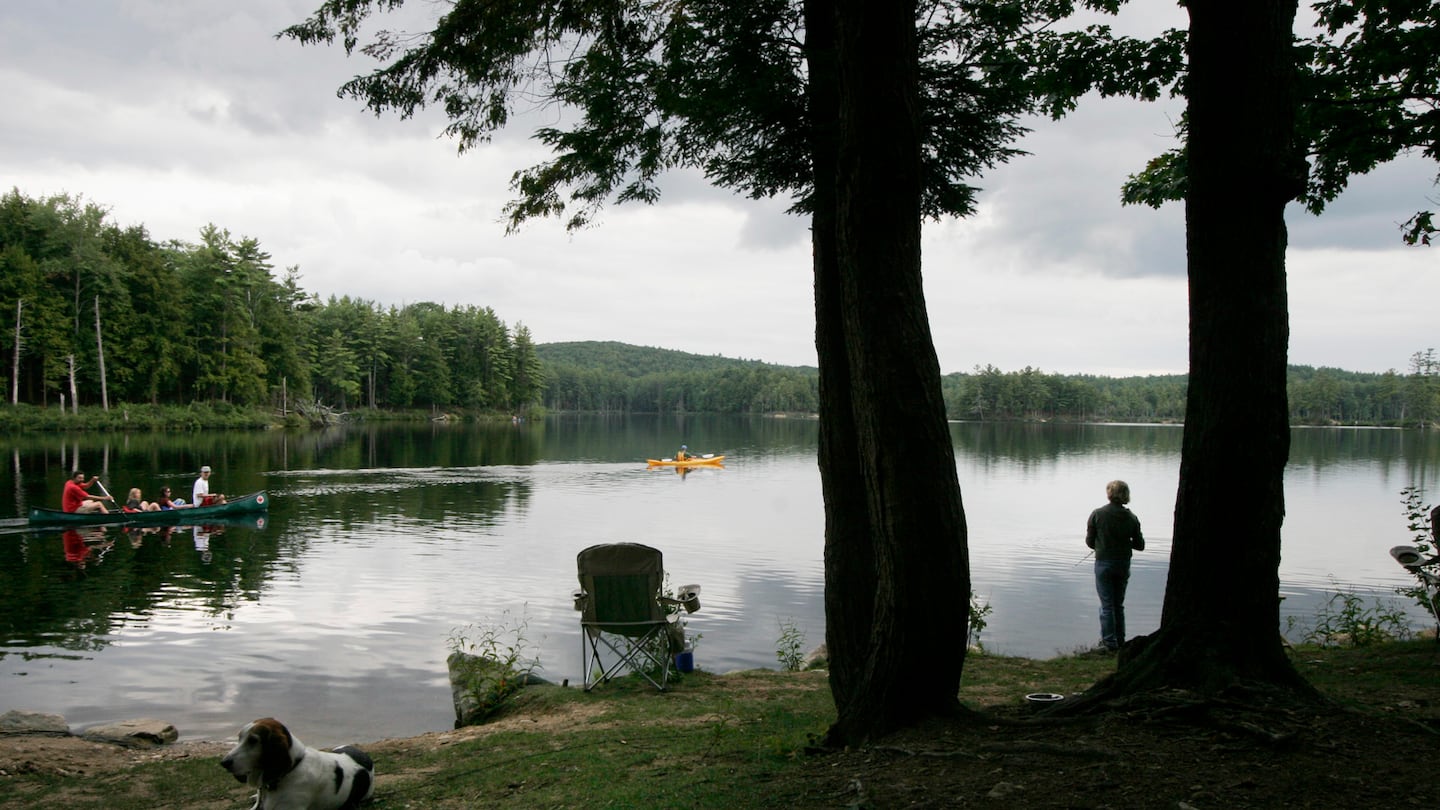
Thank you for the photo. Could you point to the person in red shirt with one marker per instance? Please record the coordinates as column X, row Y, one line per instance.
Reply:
column 76, row 499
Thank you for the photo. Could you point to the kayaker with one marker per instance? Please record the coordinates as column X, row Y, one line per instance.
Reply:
column 200, row 494
column 683, row 453
column 76, row 499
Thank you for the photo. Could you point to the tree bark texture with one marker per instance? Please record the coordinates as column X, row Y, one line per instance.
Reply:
column 1220, row 622
column 896, row 567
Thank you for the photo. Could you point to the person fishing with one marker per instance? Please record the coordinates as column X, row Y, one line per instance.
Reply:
column 1113, row 532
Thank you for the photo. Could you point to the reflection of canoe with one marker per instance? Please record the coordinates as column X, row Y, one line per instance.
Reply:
column 235, row 507
column 698, row 461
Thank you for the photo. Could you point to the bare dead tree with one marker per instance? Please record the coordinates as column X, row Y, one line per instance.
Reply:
column 15, row 361
column 74, row 389
column 100, row 353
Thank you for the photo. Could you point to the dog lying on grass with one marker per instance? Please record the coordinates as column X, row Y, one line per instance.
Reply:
column 290, row 775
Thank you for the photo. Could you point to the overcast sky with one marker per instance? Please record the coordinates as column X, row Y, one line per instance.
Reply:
column 175, row 114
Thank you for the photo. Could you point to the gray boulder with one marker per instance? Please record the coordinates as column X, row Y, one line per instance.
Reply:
column 20, row 722
column 139, row 733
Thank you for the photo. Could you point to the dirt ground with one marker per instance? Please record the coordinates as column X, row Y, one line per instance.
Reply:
column 1182, row 755
column 1165, row 751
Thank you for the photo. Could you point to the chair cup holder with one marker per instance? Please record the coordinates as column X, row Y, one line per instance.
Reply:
column 689, row 596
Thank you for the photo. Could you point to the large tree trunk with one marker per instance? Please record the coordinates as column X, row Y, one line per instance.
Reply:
column 896, row 569
column 1220, row 623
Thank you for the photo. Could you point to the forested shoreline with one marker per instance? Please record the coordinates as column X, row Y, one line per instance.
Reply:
column 597, row 376
column 96, row 315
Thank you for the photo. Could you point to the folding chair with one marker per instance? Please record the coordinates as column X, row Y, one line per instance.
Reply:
column 624, row 616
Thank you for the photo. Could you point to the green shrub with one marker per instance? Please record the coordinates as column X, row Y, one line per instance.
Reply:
column 1346, row 621
column 790, row 647
column 488, row 665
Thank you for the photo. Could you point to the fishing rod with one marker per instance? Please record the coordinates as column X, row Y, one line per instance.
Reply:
column 1083, row 559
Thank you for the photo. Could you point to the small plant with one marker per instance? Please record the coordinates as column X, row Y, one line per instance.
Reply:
column 663, row 647
column 489, row 663
column 1417, row 513
column 1345, row 620
column 790, row 647
column 978, row 612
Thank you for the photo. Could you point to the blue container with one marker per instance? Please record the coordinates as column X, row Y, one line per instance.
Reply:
column 685, row 661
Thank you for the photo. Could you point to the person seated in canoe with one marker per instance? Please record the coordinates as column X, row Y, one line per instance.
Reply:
column 75, row 498
column 683, row 454
column 135, row 502
column 166, row 504
column 200, row 494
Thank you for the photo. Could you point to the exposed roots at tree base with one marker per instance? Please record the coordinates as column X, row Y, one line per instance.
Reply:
column 1180, row 676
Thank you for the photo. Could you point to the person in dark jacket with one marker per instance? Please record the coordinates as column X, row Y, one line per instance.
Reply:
column 1113, row 532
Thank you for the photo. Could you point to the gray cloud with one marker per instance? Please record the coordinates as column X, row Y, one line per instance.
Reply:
column 178, row 113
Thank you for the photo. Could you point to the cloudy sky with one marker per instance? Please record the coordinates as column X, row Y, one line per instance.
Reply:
column 175, row 114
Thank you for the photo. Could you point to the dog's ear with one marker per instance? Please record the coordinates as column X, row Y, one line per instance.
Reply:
column 275, row 759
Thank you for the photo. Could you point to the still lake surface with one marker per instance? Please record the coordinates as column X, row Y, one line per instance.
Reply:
column 382, row 541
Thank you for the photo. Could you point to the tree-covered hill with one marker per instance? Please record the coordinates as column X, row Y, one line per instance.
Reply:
column 638, row 361
column 618, row 377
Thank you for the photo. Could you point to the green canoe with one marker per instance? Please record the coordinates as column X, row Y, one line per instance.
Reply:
column 235, row 507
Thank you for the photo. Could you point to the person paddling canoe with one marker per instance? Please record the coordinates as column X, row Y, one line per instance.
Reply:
column 75, row 498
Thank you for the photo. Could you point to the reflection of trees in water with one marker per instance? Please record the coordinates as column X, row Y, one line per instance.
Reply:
column 1032, row 441
column 76, row 593
column 616, row 437
column 988, row 442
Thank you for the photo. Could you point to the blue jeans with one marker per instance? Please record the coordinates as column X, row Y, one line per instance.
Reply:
column 1111, row 577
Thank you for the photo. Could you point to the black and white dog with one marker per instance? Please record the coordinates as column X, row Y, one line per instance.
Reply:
column 293, row 776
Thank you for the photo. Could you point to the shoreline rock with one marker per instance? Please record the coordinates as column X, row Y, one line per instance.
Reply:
column 141, row 732
column 23, row 722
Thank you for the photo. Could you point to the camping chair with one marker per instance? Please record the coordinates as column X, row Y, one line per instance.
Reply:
column 625, row 617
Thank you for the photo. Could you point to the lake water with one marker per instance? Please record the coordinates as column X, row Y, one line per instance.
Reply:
column 382, row 542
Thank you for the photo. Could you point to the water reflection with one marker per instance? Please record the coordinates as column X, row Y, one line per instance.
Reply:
column 381, row 540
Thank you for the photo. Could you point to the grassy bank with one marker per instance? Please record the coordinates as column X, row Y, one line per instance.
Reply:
column 737, row 740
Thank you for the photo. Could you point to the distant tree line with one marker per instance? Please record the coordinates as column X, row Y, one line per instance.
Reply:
column 1317, row 396
column 92, row 313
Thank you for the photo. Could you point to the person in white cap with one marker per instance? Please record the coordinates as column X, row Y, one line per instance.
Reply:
column 200, row 493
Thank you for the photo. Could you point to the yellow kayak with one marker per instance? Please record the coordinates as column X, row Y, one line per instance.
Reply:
column 694, row 461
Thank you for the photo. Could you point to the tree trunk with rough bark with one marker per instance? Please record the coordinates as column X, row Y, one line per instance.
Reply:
column 1220, row 626
column 896, row 567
